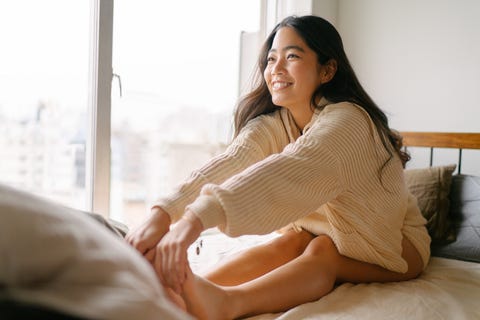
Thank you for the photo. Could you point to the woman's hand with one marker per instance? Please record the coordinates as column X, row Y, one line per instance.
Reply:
column 146, row 237
column 171, row 260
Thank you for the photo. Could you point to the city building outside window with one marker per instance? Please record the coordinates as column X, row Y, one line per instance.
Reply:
column 43, row 97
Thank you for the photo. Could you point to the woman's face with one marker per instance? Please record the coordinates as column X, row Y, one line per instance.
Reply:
column 293, row 72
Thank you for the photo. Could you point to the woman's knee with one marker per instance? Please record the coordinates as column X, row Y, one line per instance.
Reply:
column 322, row 245
column 291, row 242
column 322, row 254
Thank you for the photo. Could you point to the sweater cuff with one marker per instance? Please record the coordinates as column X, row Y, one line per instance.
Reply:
column 209, row 211
column 173, row 204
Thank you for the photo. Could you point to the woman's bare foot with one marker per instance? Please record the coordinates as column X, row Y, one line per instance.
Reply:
column 204, row 299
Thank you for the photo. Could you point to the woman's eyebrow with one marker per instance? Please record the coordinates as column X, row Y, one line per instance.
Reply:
column 294, row 47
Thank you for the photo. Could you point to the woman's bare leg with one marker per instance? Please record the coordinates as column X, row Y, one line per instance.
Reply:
column 259, row 260
column 306, row 278
column 253, row 262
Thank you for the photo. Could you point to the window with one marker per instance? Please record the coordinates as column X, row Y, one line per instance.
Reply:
column 43, row 97
column 178, row 64
column 178, row 67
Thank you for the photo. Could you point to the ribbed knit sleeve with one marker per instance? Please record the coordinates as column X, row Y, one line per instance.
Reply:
column 279, row 189
column 253, row 144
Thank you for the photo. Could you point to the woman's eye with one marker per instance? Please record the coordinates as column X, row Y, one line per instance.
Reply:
column 292, row 56
column 270, row 59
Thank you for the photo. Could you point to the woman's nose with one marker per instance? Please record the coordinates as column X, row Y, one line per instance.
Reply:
column 278, row 67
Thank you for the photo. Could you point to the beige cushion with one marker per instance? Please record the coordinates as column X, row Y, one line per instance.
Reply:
column 431, row 187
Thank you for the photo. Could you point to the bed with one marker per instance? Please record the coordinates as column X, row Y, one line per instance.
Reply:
column 58, row 263
column 449, row 288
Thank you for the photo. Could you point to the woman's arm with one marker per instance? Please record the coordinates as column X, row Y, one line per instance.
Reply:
column 252, row 145
column 287, row 186
column 273, row 192
column 255, row 142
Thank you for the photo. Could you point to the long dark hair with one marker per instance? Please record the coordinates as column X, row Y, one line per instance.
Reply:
column 323, row 38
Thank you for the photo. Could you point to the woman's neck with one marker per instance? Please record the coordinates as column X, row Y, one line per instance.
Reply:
column 302, row 117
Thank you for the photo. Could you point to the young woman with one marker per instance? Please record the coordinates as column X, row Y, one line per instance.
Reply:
column 314, row 156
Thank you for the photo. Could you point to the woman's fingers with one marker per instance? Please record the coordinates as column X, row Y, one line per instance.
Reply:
column 150, row 232
column 140, row 241
column 157, row 265
column 180, row 262
column 171, row 257
column 163, row 264
column 178, row 267
column 150, row 255
column 172, row 264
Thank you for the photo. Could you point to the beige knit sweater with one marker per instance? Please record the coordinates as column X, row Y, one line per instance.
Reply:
column 325, row 180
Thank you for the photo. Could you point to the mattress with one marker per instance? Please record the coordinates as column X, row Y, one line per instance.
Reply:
column 447, row 289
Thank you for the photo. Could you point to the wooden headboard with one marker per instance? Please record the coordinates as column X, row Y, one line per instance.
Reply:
column 456, row 140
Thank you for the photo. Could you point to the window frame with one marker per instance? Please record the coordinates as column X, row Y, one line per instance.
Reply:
column 99, row 107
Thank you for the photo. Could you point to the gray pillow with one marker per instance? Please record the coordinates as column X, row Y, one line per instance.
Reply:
column 465, row 210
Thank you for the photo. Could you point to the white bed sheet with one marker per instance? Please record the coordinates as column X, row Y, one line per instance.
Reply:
column 447, row 289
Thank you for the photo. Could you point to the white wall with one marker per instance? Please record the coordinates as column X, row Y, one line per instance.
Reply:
column 420, row 60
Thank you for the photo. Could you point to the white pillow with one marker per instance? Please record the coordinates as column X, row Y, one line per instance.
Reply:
column 61, row 258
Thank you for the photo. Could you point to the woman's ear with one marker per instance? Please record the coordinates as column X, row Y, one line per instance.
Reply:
column 328, row 71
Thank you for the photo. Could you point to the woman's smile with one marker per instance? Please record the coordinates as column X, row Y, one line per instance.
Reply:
column 279, row 85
